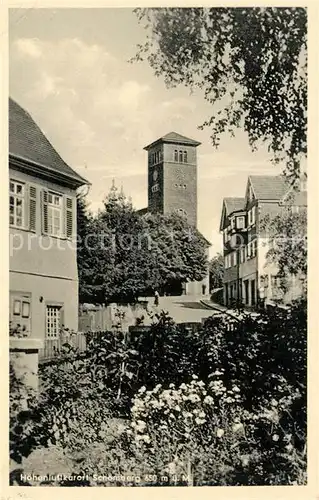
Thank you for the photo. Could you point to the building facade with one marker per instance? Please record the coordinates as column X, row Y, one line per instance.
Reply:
column 42, row 230
column 172, row 187
column 248, row 275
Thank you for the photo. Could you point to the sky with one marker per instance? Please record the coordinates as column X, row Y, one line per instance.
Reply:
column 70, row 69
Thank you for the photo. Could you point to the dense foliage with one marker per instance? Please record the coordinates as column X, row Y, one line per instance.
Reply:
column 127, row 255
column 225, row 404
column 83, row 223
column 287, row 234
column 249, row 63
column 216, row 271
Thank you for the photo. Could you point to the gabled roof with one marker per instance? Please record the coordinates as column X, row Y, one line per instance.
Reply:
column 173, row 137
column 231, row 205
column 28, row 144
column 268, row 187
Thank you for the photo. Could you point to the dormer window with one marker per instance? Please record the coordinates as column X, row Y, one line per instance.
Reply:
column 240, row 222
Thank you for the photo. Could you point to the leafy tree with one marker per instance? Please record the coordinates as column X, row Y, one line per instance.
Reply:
column 249, row 63
column 84, row 229
column 177, row 249
column 287, row 234
column 122, row 250
column 127, row 255
column 216, row 271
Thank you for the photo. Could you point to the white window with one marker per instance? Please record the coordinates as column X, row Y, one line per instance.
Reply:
column 155, row 188
column 25, row 309
column 55, row 214
column 17, row 204
column 53, row 321
column 232, row 222
column 240, row 222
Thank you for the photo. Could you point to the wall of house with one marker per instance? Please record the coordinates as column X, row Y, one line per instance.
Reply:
column 38, row 253
column 45, row 291
column 198, row 287
column 43, row 266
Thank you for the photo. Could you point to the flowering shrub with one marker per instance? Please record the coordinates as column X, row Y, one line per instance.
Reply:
column 174, row 428
column 225, row 405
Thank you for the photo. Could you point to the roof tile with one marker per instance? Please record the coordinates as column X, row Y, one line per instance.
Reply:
column 269, row 187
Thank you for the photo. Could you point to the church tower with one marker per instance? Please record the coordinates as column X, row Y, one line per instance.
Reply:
column 172, row 176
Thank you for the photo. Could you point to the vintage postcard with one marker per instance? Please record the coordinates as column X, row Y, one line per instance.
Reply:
column 156, row 207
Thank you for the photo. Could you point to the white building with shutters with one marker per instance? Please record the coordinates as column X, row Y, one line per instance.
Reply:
column 42, row 220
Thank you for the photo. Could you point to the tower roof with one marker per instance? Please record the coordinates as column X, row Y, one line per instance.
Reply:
column 28, row 143
column 174, row 138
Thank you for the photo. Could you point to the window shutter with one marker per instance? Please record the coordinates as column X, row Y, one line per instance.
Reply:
column 32, row 208
column 61, row 322
column 44, row 210
column 69, row 217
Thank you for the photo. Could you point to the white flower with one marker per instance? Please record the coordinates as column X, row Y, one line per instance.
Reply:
column 146, row 438
column 237, row 427
column 289, row 447
column 236, row 389
column 202, row 415
column 194, row 398
column 171, row 386
column 187, row 414
column 183, row 386
column 220, row 433
column 275, row 437
column 209, row 400
column 142, row 389
column 245, row 460
column 195, row 377
column 229, row 400
column 200, row 421
column 141, row 425
column 177, row 408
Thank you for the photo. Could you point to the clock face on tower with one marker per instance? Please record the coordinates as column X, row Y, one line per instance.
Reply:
column 155, row 175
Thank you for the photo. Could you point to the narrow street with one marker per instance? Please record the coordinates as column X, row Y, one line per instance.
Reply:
column 183, row 308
